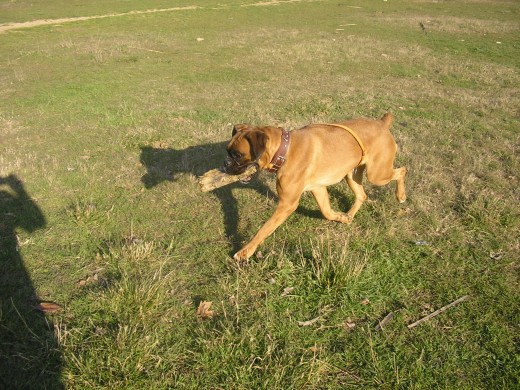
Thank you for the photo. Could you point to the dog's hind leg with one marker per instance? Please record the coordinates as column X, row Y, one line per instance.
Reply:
column 400, row 192
column 381, row 171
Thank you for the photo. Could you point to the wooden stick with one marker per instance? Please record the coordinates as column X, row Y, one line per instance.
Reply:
column 385, row 321
column 308, row 323
column 436, row 312
column 216, row 178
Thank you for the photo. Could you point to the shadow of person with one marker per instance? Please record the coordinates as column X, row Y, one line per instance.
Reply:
column 167, row 164
column 29, row 354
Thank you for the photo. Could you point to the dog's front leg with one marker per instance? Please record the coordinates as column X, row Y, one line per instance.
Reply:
column 284, row 209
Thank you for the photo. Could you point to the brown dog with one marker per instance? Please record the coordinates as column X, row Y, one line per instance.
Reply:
column 312, row 158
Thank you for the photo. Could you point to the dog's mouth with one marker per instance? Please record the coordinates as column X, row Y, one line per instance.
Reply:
column 232, row 167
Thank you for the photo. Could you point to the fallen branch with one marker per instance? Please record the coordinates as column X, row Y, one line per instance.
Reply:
column 437, row 312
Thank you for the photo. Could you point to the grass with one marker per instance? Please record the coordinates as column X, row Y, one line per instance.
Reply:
column 105, row 124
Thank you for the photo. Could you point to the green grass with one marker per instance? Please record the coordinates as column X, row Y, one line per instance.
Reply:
column 105, row 124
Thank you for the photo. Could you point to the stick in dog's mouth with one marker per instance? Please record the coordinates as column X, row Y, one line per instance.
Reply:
column 253, row 176
column 217, row 178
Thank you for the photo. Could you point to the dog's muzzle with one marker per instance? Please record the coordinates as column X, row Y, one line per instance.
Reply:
column 232, row 167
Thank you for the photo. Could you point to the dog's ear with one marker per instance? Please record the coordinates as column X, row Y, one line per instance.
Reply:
column 240, row 127
column 258, row 141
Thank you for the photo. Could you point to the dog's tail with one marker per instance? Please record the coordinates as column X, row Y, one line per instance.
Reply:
column 388, row 118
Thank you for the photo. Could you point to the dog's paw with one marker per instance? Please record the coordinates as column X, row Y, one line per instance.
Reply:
column 345, row 218
column 241, row 255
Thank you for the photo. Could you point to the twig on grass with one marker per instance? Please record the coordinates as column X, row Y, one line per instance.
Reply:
column 436, row 312
column 150, row 50
column 309, row 322
column 381, row 324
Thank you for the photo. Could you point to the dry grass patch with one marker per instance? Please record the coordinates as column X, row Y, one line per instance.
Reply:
column 453, row 25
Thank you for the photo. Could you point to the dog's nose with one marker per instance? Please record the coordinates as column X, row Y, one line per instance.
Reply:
column 228, row 162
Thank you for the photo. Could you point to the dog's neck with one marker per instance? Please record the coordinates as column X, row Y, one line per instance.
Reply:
column 279, row 158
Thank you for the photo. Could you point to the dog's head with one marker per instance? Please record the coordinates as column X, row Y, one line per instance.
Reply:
column 248, row 146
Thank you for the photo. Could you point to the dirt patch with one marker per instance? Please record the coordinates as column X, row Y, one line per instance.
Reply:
column 44, row 22
column 272, row 2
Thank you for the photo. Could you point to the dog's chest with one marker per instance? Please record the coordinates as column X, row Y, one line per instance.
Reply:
column 324, row 180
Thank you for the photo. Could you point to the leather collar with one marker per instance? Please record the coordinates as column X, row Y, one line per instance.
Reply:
column 279, row 158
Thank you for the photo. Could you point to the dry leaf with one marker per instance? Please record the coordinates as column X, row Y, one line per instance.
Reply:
column 204, row 312
column 287, row 291
column 349, row 324
column 365, row 302
column 496, row 255
column 90, row 280
column 48, row 307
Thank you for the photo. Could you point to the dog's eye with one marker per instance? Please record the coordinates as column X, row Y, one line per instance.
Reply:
column 235, row 155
